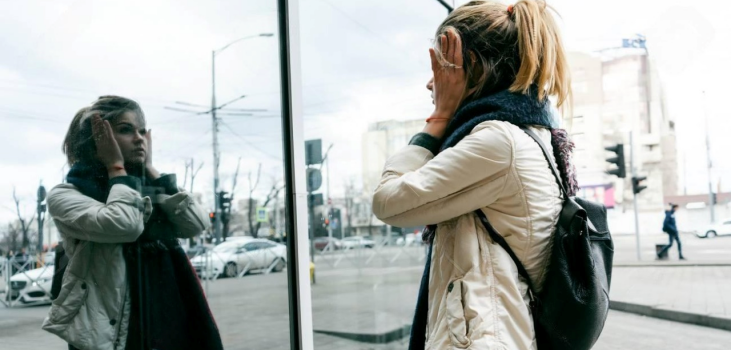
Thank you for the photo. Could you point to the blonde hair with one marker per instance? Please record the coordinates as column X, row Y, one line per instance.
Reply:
column 511, row 48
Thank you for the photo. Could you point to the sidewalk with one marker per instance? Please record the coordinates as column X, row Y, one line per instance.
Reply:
column 691, row 294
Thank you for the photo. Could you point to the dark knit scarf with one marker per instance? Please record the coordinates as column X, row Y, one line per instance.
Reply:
column 518, row 109
column 515, row 108
column 169, row 309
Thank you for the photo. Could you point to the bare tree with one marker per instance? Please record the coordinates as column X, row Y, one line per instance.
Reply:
column 11, row 237
column 227, row 214
column 24, row 224
column 252, row 187
column 191, row 173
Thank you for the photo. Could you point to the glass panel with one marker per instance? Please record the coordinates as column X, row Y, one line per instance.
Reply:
column 59, row 58
column 365, row 67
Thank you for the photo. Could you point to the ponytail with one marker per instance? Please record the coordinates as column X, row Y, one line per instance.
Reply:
column 542, row 57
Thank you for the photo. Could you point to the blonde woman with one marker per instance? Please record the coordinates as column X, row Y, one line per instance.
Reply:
column 494, row 67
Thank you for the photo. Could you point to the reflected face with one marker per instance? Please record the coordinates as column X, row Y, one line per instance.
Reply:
column 129, row 131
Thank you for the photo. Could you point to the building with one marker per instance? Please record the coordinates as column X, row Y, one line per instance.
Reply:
column 617, row 93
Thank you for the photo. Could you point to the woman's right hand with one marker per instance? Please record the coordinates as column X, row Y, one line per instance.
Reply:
column 107, row 149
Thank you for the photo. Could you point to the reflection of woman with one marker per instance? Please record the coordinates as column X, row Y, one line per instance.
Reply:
column 128, row 284
column 494, row 66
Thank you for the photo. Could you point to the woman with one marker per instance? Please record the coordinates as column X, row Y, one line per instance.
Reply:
column 128, row 284
column 494, row 67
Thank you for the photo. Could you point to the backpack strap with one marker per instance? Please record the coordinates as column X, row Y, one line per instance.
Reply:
column 501, row 241
column 553, row 167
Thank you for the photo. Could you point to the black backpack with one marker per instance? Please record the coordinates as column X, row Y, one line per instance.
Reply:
column 570, row 310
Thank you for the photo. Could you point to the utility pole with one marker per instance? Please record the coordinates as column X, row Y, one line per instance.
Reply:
column 217, row 204
column 711, row 201
column 329, row 196
column 634, row 193
column 216, row 153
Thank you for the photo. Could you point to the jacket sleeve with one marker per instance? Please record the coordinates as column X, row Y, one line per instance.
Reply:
column 418, row 188
column 180, row 208
column 120, row 220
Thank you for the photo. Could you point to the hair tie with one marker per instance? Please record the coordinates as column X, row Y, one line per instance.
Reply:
column 510, row 9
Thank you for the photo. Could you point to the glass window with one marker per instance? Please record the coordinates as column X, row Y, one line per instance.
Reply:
column 205, row 79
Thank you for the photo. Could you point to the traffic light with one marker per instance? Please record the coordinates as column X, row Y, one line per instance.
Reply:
column 637, row 184
column 618, row 160
column 212, row 216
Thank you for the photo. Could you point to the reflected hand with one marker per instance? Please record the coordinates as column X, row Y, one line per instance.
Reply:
column 107, row 149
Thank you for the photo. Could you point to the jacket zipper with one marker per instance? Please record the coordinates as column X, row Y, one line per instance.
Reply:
column 120, row 317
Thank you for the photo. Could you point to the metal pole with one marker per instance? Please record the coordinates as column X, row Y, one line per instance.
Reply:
column 634, row 195
column 709, row 163
column 217, row 208
column 329, row 201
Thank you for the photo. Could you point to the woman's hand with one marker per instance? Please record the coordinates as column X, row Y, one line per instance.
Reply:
column 150, row 170
column 107, row 149
column 450, row 83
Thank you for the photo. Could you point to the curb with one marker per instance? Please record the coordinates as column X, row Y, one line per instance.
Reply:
column 670, row 315
column 672, row 264
column 373, row 338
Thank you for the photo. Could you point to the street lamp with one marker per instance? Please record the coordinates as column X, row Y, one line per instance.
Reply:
column 217, row 219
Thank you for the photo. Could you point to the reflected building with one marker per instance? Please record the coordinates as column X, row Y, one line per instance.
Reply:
column 611, row 100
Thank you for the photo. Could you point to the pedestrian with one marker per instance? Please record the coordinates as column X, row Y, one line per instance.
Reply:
column 128, row 284
column 669, row 227
column 494, row 67
column 21, row 260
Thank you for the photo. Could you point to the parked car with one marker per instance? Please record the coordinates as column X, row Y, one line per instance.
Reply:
column 721, row 229
column 32, row 286
column 194, row 251
column 229, row 258
column 358, row 242
column 410, row 239
column 322, row 242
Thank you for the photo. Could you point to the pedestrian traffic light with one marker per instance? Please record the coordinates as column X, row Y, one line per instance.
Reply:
column 618, row 160
column 637, row 184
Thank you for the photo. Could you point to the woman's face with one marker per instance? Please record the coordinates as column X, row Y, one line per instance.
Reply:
column 129, row 131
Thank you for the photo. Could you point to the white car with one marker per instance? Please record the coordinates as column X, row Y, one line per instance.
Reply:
column 230, row 258
column 32, row 286
column 357, row 242
column 722, row 229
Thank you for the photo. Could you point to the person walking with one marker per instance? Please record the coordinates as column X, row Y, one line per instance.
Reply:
column 128, row 283
column 669, row 226
column 494, row 67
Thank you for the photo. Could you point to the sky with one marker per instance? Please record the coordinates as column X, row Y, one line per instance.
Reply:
column 362, row 62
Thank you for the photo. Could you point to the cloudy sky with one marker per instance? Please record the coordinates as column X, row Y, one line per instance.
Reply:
column 362, row 61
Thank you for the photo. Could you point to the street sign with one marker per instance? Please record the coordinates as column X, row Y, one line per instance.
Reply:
column 313, row 152
column 261, row 214
column 314, row 179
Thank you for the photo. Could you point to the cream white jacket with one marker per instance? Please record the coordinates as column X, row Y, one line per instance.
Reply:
column 476, row 299
column 92, row 309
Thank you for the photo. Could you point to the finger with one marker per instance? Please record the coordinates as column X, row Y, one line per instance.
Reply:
column 457, row 57
column 444, row 47
column 108, row 130
column 434, row 62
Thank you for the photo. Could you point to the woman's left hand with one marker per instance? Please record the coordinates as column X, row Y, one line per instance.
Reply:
column 450, row 82
column 150, row 170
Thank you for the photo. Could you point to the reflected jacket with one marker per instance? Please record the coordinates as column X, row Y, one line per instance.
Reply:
column 92, row 310
column 476, row 299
